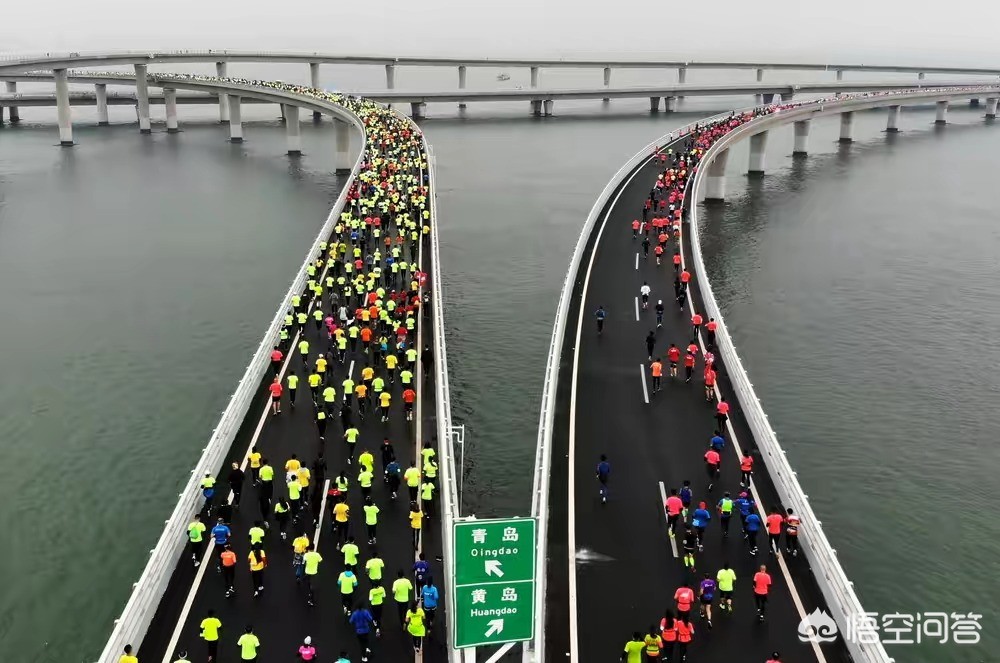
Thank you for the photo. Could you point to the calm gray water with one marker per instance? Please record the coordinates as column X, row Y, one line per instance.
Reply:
column 143, row 270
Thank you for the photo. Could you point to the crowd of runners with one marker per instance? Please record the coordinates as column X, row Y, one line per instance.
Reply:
column 697, row 509
column 348, row 359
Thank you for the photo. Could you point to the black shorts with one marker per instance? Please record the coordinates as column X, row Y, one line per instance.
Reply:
column 275, row 398
column 707, row 600
column 673, row 364
column 725, row 595
column 409, row 407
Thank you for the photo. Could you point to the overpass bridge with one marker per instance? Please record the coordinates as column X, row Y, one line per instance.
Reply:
column 611, row 568
column 180, row 584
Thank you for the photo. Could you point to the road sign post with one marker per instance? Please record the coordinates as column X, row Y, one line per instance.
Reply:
column 494, row 581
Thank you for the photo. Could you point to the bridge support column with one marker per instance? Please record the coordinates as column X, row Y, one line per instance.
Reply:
column 991, row 109
column 847, row 127
column 670, row 103
column 801, row 147
column 715, row 183
column 974, row 102
column 390, row 76
column 921, row 76
column 220, row 71
column 758, row 99
column 786, row 96
column 760, row 75
column 758, row 150
column 343, row 162
column 170, row 101
column 102, row 104
column 767, row 98
column 534, row 77
column 314, row 83
column 942, row 113
column 681, row 79
column 892, row 123
column 15, row 112
column 547, row 107
column 840, row 74
column 536, row 107
column 654, row 104
column 235, row 120
column 142, row 97
column 417, row 109
column 461, row 81
column 292, row 131
column 607, row 80
column 62, row 107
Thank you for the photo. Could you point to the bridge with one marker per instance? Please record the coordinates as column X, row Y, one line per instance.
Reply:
column 590, row 552
column 180, row 583
column 611, row 568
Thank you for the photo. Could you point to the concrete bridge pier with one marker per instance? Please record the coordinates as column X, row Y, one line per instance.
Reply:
column 654, row 104
column 534, row 77
column 314, row 83
column 343, row 162
column 758, row 150
column 235, row 120
column 840, row 74
column 760, row 75
column 681, row 79
column 536, row 107
column 892, row 123
column 142, row 97
column 418, row 109
column 847, row 127
column 942, row 113
column 292, row 131
column 101, row 90
column 715, row 183
column 607, row 80
column 801, row 147
column 974, row 102
column 921, row 76
column 547, row 105
column 62, row 107
column 767, row 98
column 390, row 76
column 15, row 113
column 461, row 81
column 220, row 71
column 670, row 103
column 991, row 108
column 170, row 101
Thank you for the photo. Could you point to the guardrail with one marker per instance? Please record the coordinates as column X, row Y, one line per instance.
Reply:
column 131, row 627
column 837, row 590
column 550, row 386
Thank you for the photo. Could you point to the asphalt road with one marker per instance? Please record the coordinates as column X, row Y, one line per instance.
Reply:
column 626, row 569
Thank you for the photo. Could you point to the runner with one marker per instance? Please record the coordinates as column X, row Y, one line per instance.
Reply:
column 713, row 463
column 673, row 506
column 689, row 360
column 673, row 356
column 706, row 594
column 429, row 597
column 196, row 539
column 414, row 620
column 363, row 623
column 227, row 561
column 699, row 521
column 685, row 633
column 726, row 578
column 725, row 509
column 684, row 596
column 690, row 543
column 258, row 561
column 634, row 649
column 401, row 593
column 761, row 587
column 248, row 644
column 347, row 582
column 210, row 627
column 659, row 307
column 306, row 651
column 668, row 631
column 416, row 522
column 656, row 370
column 311, row 560
column 603, row 473
column 722, row 413
column 644, row 291
column 746, row 470
column 792, row 524
column 654, row 644
column 650, row 344
column 752, row 526
column 774, row 522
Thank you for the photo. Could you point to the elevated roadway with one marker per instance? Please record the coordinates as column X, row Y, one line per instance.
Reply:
column 162, row 618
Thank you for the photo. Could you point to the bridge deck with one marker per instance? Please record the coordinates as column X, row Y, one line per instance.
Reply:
column 626, row 570
column 281, row 617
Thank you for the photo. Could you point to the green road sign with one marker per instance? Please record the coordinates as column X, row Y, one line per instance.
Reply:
column 494, row 581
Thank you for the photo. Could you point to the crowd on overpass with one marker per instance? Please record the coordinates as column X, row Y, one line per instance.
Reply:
column 693, row 507
column 362, row 304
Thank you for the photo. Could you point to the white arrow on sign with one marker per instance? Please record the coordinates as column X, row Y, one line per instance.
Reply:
column 495, row 626
column 493, row 568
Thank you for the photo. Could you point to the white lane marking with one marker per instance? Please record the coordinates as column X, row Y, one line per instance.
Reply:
column 168, row 654
column 792, row 589
column 663, row 508
column 645, row 392
column 322, row 512
column 571, row 483
column 637, row 309
column 637, row 260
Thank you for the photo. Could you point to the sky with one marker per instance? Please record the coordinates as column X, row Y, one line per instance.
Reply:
column 845, row 31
